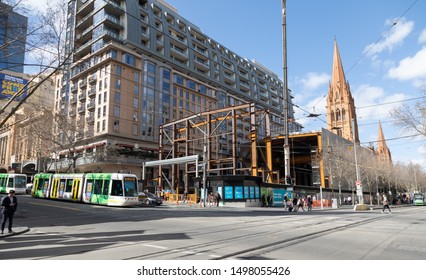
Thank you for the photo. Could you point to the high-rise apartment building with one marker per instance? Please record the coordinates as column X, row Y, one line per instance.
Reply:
column 13, row 30
column 138, row 64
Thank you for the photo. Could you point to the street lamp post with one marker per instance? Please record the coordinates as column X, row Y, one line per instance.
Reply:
column 358, row 179
column 285, row 93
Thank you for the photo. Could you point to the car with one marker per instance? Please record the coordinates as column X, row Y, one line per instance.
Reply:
column 148, row 198
column 28, row 188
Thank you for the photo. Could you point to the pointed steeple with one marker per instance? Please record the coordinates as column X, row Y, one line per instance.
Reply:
column 338, row 75
column 382, row 149
column 341, row 114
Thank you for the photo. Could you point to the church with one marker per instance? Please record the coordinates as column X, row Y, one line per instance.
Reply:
column 341, row 110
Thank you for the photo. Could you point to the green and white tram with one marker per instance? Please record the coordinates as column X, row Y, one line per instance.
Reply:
column 109, row 189
column 419, row 199
column 16, row 182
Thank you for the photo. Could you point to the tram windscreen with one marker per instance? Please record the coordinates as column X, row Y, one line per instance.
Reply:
column 20, row 182
column 130, row 186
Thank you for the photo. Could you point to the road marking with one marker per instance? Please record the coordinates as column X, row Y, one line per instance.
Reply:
column 155, row 246
column 62, row 207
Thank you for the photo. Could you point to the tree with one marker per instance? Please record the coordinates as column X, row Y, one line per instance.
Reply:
column 411, row 118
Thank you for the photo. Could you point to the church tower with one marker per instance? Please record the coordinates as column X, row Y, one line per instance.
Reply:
column 382, row 151
column 340, row 103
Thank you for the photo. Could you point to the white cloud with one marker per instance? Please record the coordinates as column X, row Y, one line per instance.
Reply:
column 394, row 37
column 410, row 68
column 36, row 6
column 422, row 37
column 314, row 81
column 374, row 103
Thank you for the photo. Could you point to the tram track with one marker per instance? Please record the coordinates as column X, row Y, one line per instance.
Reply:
column 257, row 251
column 194, row 249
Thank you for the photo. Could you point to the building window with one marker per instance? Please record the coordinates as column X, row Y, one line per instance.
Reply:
column 135, row 129
column 104, row 111
column 117, row 97
column 135, row 103
column 118, row 84
column 103, row 125
column 118, row 70
column 136, row 89
column 117, row 111
column 116, row 125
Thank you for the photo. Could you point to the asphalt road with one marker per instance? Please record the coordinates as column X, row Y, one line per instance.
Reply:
column 69, row 231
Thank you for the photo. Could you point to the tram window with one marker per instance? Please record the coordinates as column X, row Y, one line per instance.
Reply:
column 98, row 187
column 10, row 183
column 106, row 188
column 69, row 185
column 2, row 180
column 117, row 188
column 62, row 185
column 130, row 186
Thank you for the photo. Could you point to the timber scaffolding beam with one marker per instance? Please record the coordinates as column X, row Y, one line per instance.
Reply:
column 227, row 139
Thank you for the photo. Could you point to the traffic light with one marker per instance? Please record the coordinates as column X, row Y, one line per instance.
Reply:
column 288, row 180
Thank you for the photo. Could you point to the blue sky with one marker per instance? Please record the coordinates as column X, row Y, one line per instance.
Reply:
column 393, row 69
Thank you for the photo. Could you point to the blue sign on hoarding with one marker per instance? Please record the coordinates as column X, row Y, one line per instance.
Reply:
column 238, row 192
column 11, row 85
column 229, row 192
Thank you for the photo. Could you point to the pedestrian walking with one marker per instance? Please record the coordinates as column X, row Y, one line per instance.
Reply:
column 385, row 204
column 300, row 204
column 218, row 198
column 285, row 199
column 9, row 204
column 295, row 204
column 309, row 203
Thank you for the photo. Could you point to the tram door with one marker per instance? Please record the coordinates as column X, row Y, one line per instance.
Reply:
column 76, row 189
column 100, row 192
column 55, row 188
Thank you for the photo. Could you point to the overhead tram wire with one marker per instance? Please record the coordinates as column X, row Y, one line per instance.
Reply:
column 375, row 43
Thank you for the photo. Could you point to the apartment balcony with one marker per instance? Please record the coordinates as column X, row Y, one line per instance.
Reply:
column 82, row 108
column 244, row 85
column 72, row 112
column 92, row 79
column 82, row 96
column 202, row 64
column 83, row 84
column 90, row 119
column 74, row 88
column 113, row 22
column 264, row 94
column 85, row 8
column 92, row 91
column 113, row 7
column 85, row 22
column 179, row 53
column 73, row 99
column 84, row 36
column 230, row 78
column 91, row 105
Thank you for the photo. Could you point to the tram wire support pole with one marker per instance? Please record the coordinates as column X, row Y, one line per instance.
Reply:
column 285, row 93
column 358, row 178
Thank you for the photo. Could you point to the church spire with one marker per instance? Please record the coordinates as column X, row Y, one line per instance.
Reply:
column 341, row 114
column 338, row 74
column 382, row 149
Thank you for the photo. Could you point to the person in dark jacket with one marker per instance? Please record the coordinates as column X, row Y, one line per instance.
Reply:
column 9, row 204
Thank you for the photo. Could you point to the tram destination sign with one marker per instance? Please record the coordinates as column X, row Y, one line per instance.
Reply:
column 11, row 85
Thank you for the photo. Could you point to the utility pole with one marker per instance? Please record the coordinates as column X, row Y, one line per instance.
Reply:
column 285, row 93
column 358, row 179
